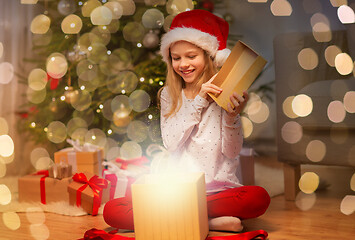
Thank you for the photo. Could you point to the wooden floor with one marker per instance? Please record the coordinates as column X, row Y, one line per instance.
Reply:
column 283, row 220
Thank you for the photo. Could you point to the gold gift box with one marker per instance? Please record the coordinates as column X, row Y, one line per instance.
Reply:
column 170, row 207
column 237, row 74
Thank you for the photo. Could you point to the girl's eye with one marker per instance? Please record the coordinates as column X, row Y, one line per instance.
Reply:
column 192, row 57
column 176, row 59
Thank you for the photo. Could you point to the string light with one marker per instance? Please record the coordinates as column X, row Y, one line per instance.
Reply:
column 66, row 88
column 109, row 131
column 150, row 116
column 45, row 129
column 141, row 79
column 123, row 91
column 33, row 124
column 139, row 45
column 101, row 106
column 62, row 98
column 82, row 87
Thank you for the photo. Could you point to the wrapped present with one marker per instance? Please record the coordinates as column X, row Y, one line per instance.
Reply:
column 39, row 187
column 89, row 191
column 60, row 170
column 170, row 206
column 86, row 158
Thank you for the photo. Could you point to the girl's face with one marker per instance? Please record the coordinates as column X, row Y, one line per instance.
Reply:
column 188, row 60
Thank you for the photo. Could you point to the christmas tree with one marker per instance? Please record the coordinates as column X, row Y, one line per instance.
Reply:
column 98, row 72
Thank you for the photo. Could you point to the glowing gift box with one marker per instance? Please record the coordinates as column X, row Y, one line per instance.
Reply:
column 237, row 74
column 170, row 206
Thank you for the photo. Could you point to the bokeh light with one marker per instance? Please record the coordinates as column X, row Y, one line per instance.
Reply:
column 71, row 24
column 7, row 160
column 175, row 7
column 42, row 39
column 139, row 100
column 82, row 101
column 133, row 32
column 305, row 201
column 130, row 150
column 40, row 24
column 344, row 64
column 114, row 26
column 11, row 220
column 37, row 79
column 281, row 8
column 87, row 115
column 96, row 137
column 35, row 215
column 112, row 150
column 115, row 8
column 153, row 18
column 79, row 134
column 308, row 59
column 124, row 82
column 316, row 150
column 308, row 182
column 128, row 6
column 319, row 17
column 247, row 126
column 101, row 16
column 330, row 53
column 347, row 205
column 338, row 3
column 89, row 6
column 4, row 127
column 86, row 70
column 6, row 145
column 5, row 195
column 349, row 101
column 254, row 104
column 57, row 65
column 291, row 132
column 287, row 107
column 57, row 132
column 37, row 154
column 346, row 14
column 120, row 59
column 74, row 124
column 137, row 131
column 66, row 7
column 302, row 105
column 260, row 116
column 39, row 231
column 96, row 53
column 36, row 97
column 336, row 112
column 6, row 72
column 322, row 32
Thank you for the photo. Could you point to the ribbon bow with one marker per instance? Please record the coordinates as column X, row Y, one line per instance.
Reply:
column 96, row 234
column 96, row 184
column 135, row 161
column 42, row 184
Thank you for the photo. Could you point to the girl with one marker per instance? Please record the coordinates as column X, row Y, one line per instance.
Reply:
column 195, row 130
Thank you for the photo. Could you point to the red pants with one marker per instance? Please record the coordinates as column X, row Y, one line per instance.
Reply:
column 242, row 202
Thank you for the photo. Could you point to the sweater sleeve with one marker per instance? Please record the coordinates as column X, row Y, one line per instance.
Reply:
column 232, row 135
column 176, row 129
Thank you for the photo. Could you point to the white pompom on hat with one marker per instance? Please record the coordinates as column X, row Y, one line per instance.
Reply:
column 202, row 28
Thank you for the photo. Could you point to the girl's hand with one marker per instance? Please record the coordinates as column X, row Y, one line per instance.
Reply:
column 208, row 87
column 239, row 103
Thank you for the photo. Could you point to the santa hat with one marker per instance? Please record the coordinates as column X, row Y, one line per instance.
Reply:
column 201, row 28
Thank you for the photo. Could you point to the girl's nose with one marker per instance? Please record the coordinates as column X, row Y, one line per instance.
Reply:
column 184, row 63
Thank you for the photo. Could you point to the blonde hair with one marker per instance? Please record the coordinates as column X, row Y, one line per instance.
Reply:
column 176, row 84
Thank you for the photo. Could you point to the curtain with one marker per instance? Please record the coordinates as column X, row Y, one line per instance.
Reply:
column 15, row 37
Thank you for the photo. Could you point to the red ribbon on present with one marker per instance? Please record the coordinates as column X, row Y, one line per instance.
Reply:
column 96, row 184
column 96, row 234
column 135, row 161
column 113, row 179
column 42, row 184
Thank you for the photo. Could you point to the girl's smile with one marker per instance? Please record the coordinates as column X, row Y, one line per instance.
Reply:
column 188, row 61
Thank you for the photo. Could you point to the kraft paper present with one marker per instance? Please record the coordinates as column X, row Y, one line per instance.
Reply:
column 55, row 190
column 85, row 190
column 81, row 161
column 237, row 74
column 169, row 207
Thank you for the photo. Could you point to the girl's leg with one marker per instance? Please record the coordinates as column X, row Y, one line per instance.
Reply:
column 118, row 213
column 242, row 202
